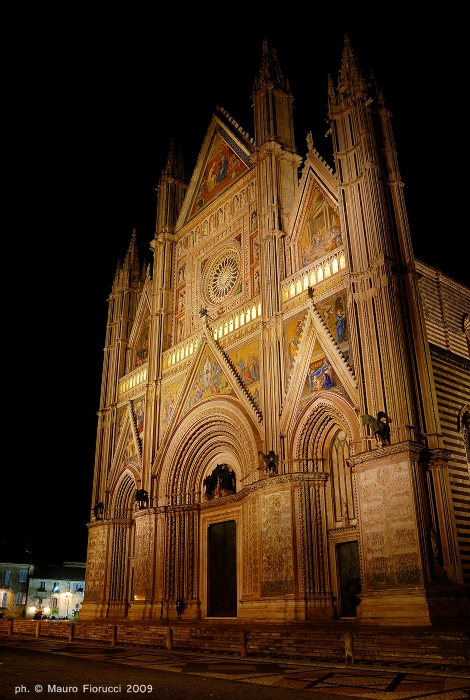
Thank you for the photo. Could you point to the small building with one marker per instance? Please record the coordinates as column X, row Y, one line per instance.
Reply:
column 56, row 592
column 14, row 578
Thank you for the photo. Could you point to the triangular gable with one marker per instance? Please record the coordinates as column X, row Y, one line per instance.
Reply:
column 128, row 448
column 208, row 381
column 211, row 375
column 223, row 159
column 139, row 335
column 318, row 230
column 319, row 366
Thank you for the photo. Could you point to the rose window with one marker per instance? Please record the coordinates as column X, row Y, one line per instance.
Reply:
column 222, row 277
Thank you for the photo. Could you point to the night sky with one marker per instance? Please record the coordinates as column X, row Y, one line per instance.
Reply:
column 96, row 111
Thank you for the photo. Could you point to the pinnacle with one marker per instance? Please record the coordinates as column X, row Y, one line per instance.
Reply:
column 270, row 70
column 349, row 70
column 174, row 164
column 378, row 92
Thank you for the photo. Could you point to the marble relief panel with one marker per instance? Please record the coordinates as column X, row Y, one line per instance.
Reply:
column 96, row 559
column 251, row 557
column 390, row 544
column 276, row 534
column 143, row 556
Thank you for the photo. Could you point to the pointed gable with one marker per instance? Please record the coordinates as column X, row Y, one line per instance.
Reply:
column 223, row 159
column 209, row 381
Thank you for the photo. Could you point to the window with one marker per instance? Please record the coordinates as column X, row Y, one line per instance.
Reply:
column 18, row 598
column 23, row 574
column 55, row 602
column 56, row 588
column 3, row 600
column 6, row 577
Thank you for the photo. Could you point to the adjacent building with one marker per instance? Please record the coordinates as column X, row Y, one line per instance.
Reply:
column 56, row 591
column 14, row 580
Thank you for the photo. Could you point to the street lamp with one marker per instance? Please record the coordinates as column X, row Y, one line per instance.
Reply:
column 67, row 602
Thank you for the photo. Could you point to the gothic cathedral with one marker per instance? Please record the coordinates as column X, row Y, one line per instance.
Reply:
column 284, row 422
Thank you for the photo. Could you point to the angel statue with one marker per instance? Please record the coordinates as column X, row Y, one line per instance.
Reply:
column 380, row 427
column 271, row 460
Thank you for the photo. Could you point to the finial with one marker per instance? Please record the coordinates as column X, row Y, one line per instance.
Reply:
column 310, row 141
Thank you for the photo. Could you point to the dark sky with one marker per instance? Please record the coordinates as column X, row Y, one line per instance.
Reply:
column 91, row 124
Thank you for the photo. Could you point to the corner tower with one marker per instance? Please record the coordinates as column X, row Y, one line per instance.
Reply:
column 393, row 368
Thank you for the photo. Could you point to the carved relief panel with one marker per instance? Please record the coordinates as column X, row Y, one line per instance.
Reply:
column 389, row 531
column 143, row 557
column 96, row 563
column 251, row 547
column 276, row 534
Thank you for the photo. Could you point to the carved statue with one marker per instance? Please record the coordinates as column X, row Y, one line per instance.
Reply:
column 271, row 460
column 142, row 498
column 98, row 510
column 222, row 482
column 344, row 509
column 380, row 427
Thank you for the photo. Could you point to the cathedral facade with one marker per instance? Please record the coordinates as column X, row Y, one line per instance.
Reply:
column 283, row 430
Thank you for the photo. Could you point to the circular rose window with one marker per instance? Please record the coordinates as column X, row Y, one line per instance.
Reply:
column 222, row 276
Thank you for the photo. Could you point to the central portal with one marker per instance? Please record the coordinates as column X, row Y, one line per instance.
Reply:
column 222, row 570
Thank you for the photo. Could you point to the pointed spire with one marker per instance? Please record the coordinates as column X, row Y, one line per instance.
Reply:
column 349, row 69
column 331, row 89
column 175, row 163
column 116, row 274
column 131, row 261
column 378, row 92
column 270, row 70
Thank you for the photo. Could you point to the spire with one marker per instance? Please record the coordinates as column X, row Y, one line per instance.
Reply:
column 171, row 190
column 331, row 89
column 349, row 70
column 174, row 167
column 131, row 261
column 376, row 90
column 270, row 71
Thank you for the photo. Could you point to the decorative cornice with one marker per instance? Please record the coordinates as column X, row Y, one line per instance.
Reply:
column 96, row 523
column 306, row 478
column 339, row 532
column 389, row 451
column 449, row 357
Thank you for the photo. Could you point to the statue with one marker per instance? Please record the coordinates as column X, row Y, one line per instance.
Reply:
column 221, row 482
column 98, row 510
column 380, row 427
column 271, row 460
column 142, row 498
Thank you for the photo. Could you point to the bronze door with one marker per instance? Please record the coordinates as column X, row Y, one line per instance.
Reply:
column 222, row 582
column 349, row 578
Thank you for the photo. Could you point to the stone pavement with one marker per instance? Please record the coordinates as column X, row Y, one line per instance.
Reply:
column 327, row 680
